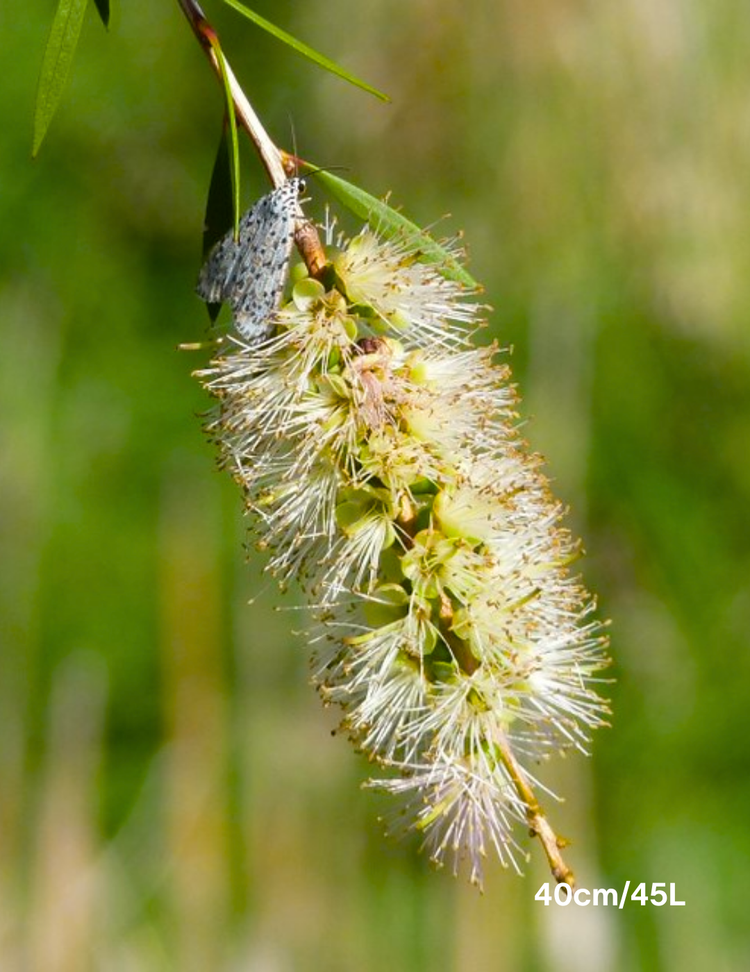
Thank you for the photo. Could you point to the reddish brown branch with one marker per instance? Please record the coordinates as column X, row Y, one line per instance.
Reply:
column 272, row 157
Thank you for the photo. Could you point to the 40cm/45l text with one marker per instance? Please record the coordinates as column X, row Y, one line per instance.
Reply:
column 564, row 895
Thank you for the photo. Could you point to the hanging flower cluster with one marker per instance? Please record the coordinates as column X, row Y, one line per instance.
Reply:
column 377, row 449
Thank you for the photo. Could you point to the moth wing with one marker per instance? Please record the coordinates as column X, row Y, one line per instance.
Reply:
column 219, row 274
column 261, row 275
column 216, row 271
column 250, row 273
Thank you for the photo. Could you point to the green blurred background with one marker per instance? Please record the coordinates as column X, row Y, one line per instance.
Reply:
column 170, row 794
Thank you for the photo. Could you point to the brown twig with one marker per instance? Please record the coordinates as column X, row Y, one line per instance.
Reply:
column 538, row 823
column 272, row 157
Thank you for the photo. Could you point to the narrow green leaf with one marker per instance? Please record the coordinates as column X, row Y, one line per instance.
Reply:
column 390, row 223
column 219, row 204
column 56, row 65
column 103, row 7
column 304, row 50
column 219, row 208
column 234, row 155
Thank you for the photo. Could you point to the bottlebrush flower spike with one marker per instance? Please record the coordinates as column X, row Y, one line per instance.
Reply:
column 377, row 449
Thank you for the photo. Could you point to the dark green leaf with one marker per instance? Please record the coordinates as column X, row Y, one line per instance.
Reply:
column 103, row 7
column 234, row 155
column 304, row 50
column 56, row 64
column 390, row 223
column 219, row 206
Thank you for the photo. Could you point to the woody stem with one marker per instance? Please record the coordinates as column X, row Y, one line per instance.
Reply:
column 272, row 157
column 537, row 820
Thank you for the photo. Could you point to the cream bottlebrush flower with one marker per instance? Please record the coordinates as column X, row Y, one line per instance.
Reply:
column 378, row 450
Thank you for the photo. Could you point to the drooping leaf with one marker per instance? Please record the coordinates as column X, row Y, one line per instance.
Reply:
column 304, row 50
column 234, row 154
column 56, row 65
column 390, row 223
column 219, row 206
column 103, row 7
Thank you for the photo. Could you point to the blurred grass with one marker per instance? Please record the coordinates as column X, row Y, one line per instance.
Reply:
column 170, row 796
